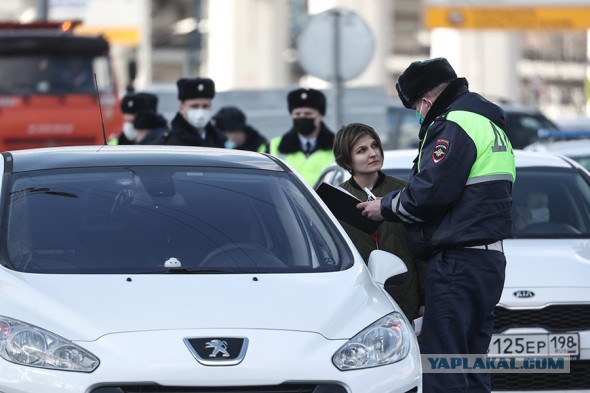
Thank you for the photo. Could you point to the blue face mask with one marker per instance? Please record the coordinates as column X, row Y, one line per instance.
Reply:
column 419, row 115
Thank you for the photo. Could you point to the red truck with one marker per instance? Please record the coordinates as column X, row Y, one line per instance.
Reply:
column 48, row 94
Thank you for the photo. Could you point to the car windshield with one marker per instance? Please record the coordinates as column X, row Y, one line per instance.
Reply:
column 146, row 219
column 551, row 203
column 53, row 74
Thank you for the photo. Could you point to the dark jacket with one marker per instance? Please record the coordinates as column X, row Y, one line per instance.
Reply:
column 156, row 136
column 184, row 134
column 441, row 211
column 254, row 141
column 391, row 237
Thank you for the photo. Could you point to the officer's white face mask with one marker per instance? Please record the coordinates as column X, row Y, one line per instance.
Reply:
column 198, row 118
column 129, row 131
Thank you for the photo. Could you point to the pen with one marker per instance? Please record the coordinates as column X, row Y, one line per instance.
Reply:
column 371, row 196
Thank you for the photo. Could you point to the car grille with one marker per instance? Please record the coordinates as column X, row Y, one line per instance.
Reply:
column 558, row 318
column 578, row 378
column 283, row 388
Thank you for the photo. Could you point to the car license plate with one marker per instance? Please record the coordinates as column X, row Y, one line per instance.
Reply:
column 567, row 344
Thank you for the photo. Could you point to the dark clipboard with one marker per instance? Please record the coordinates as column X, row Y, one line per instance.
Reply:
column 343, row 205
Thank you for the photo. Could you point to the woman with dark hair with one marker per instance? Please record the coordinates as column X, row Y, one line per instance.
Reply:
column 358, row 149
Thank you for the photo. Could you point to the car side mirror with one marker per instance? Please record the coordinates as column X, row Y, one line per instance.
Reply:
column 383, row 265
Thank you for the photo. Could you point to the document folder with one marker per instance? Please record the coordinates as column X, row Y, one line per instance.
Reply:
column 343, row 205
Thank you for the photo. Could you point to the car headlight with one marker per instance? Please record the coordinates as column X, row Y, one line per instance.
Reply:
column 30, row 345
column 385, row 341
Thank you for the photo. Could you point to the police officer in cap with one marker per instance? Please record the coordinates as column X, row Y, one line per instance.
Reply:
column 240, row 135
column 150, row 128
column 456, row 207
column 191, row 126
column 307, row 146
column 130, row 105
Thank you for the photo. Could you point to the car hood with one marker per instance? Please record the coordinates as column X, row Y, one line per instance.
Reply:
column 547, row 263
column 336, row 305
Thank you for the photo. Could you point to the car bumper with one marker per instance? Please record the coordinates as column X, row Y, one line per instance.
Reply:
column 162, row 358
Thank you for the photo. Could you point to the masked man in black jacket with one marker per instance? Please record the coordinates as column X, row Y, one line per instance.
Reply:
column 191, row 126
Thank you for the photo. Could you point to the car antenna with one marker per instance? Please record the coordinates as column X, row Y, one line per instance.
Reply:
column 104, row 134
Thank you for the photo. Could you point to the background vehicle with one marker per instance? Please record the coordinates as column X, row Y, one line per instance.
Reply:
column 546, row 297
column 574, row 144
column 154, row 268
column 47, row 90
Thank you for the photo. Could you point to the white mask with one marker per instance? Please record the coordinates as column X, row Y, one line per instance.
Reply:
column 540, row 214
column 198, row 118
column 129, row 131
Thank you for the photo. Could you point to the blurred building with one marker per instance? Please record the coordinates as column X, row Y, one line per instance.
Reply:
column 250, row 44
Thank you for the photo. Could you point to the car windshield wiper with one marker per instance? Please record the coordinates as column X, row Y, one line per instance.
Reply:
column 40, row 190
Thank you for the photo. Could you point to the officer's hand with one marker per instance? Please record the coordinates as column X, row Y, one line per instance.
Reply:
column 371, row 209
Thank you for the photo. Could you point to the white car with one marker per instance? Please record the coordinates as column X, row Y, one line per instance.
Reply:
column 576, row 149
column 177, row 269
column 545, row 304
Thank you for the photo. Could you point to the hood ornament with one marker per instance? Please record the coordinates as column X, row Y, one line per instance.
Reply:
column 217, row 346
column 217, row 351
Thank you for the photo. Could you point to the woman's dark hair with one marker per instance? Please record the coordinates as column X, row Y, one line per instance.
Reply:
column 345, row 139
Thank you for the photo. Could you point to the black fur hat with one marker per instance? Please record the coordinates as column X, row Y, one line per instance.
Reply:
column 195, row 88
column 230, row 118
column 148, row 120
column 421, row 77
column 134, row 102
column 309, row 98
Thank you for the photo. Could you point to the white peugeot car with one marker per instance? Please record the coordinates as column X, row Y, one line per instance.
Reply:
column 545, row 305
column 175, row 269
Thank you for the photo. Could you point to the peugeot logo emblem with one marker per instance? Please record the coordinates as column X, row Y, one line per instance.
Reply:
column 217, row 351
column 524, row 293
column 218, row 346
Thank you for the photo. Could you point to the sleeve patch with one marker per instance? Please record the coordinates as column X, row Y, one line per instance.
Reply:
column 441, row 148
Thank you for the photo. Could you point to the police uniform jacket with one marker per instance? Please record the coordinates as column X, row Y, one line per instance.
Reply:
column 184, row 134
column 288, row 148
column 390, row 237
column 460, row 191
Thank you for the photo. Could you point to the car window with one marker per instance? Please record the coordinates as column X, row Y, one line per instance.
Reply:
column 522, row 127
column 551, row 203
column 135, row 219
column 404, row 129
column 582, row 160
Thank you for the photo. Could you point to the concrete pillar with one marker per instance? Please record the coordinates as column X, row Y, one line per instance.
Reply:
column 247, row 43
column 487, row 58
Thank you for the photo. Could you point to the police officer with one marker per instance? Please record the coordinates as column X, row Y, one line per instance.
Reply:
column 130, row 105
column 456, row 208
column 191, row 126
column 307, row 146
column 150, row 128
column 240, row 135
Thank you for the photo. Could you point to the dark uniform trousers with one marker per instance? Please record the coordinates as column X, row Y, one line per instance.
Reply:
column 463, row 285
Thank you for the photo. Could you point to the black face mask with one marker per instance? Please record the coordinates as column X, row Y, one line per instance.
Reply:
column 304, row 125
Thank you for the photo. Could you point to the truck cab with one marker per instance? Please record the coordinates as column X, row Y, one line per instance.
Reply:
column 52, row 84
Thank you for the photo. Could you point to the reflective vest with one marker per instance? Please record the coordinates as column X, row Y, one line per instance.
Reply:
column 495, row 157
column 309, row 167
